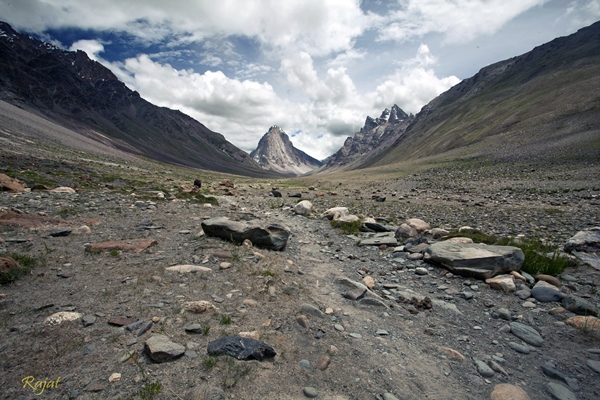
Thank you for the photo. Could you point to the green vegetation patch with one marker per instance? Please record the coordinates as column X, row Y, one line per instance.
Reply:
column 26, row 265
column 199, row 198
column 347, row 227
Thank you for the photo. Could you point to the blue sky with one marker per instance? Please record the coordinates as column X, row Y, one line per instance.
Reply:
column 315, row 68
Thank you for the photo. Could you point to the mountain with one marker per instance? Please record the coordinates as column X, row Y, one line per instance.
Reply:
column 70, row 89
column 543, row 105
column 275, row 152
column 376, row 136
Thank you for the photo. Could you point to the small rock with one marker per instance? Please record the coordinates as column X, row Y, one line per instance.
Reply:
column 594, row 365
column 62, row 316
column 311, row 310
column 526, row 333
column 323, row 362
column 225, row 265
column 88, row 320
column 519, row 348
column 421, row 271
column 546, row 292
column 303, row 321
column 114, row 377
column 389, row 396
column 161, row 349
column 548, row 278
column 505, row 282
column 483, row 369
column 241, row 348
column 310, row 392
column 205, row 392
column 579, row 306
column 194, row 328
column 505, row 391
column 199, row 306
column 304, row 363
column 369, row 282
column 355, row 335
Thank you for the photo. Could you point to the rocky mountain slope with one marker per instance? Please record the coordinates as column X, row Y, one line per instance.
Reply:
column 376, row 136
column 82, row 95
column 542, row 104
column 275, row 152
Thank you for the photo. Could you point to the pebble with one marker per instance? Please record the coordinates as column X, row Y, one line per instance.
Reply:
column 421, row 271
column 389, row 396
column 526, row 334
column 304, row 363
column 225, row 265
column 194, row 328
column 88, row 320
column 323, row 362
column 114, row 377
column 382, row 332
column 594, row 365
column 504, row 314
column 483, row 369
column 546, row 292
column 505, row 391
column 303, row 321
column 310, row 392
column 338, row 327
column 355, row 335
column 311, row 310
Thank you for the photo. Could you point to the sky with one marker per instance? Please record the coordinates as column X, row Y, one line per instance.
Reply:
column 315, row 68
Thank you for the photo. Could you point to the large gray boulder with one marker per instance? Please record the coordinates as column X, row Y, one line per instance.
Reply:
column 271, row 236
column 475, row 260
column 585, row 245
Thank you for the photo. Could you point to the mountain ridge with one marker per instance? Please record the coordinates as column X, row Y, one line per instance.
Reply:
column 275, row 152
column 81, row 94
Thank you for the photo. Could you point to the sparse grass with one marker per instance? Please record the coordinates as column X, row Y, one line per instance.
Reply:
column 347, row 227
column 206, row 330
column 115, row 253
column 198, row 198
column 149, row 390
column 268, row 273
column 225, row 320
column 209, row 363
column 536, row 253
column 26, row 264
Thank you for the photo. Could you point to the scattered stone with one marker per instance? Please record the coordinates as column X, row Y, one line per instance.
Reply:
column 355, row 294
column 506, row 391
column 388, row 241
column 310, row 392
column 355, row 335
column 382, row 332
column 474, row 259
column 63, row 189
column 585, row 323
column 303, row 321
column 311, row 310
column 496, row 367
column 519, row 348
column 504, row 314
column 579, row 306
column 60, row 232
column 225, row 265
column 483, row 369
column 453, row 354
column 205, row 392
column 523, row 294
column 62, row 316
column 526, row 334
column 241, row 348
column 339, row 327
column 439, row 233
column 560, row 392
column 114, row 377
column 304, row 363
column 199, row 306
column 587, row 240
column 194, row 328
column 546, row 292
column 145, row 327
column 88, row 320
column 323, row 362
column 134, row 245
column 250, row 335
column 421, row 271
column 118, row 321
column 270, row 236
column 405, row 231
column 303, row 208
column 335, row 213
column 594, row 365
column 369, row 282
column 185, row 268
column 505, row 282
column 418, row 224
column 161, row 349
column 548, row 278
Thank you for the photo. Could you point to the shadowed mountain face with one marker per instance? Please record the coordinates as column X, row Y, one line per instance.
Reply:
column 544, row 104
column 376, row 136
column 81, row 94
column 275, row 152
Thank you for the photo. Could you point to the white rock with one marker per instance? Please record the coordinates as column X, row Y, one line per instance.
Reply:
column 335, row 213
column 63, row 189
column 303, row 208
column 62, row 316
column 183, row 268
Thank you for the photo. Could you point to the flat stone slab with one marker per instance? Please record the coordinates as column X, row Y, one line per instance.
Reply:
column 587, row 240
column 269, row 236
column 133, row 245
column 475, row 260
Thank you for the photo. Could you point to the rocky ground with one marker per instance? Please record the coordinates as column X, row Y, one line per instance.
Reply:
column 327, row 345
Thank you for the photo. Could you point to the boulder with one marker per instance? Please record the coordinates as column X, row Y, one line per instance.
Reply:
column 406, row 231
column 579, row 306
column 271, row 236
column 335, row 213
column 418, row 224
column 475, row 259
column 241, row 348
column 587, row 240
column 303, row 208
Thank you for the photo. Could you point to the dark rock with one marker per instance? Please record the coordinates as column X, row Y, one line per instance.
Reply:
column 475, row 259
column 275, row 193
column 546, row 292
column 134, row 325
column 60, row 232
column 198, row 183
column 241, row 348
column 298, row 195
column 375, row 227
column 120, row 321
column 579, row 306
column 144, row 328
column 355, row 294
column 272, row 236
column 560, row 392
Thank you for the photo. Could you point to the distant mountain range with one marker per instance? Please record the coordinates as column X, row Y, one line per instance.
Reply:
column 373, row 138
column 542, row 105
column 70, row 89
column 275, row 152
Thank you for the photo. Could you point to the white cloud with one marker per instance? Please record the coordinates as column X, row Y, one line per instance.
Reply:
column 584, row 12
column 458, row 20
column 92, row 48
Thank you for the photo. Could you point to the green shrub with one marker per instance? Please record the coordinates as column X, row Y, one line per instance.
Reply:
column 26, row 265
column 347, row 227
